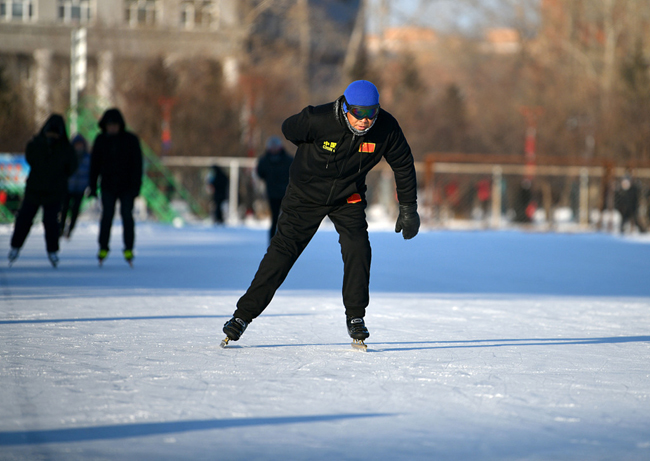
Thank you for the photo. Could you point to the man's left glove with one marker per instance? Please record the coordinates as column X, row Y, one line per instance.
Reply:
column 408, row 221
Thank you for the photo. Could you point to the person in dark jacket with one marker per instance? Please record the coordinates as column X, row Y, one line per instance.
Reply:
column 218, row 184
column 273, row 167
column 51, row 160
column 338, row 144
column 116, row 161
column 627, row 203
column 77, row 186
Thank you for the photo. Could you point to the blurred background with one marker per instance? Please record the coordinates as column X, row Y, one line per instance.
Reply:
column 526, row 113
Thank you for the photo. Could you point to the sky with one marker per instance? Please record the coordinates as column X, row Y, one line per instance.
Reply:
column 445, row 14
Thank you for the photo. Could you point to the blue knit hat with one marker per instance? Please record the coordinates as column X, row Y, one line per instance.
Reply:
column 361, row 93
column 273, row 142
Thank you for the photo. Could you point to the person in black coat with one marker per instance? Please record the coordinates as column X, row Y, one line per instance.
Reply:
column 116, row 162
column 51, row 160
column 338, row 144
column 219, row 183
column 273, row 167
column 627, row 203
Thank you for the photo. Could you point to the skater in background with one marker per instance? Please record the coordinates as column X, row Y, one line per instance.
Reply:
column 627, row 203
column 218, row 184
column 77, row 186
column 51, row 160
column 273, row 167
column 116, row 162
column 338, row 144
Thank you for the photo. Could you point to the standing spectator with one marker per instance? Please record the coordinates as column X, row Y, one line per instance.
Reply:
column 273, row 167
column 77, row 185
column 338, row 144
column 627, row 203
column 526, row 206
column 51, row 160
column 483, row 195
column 117, row 160
column 218, row 184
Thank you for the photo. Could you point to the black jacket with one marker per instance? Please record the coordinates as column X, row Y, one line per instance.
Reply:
column 274, row 170
column 331, row 163
column 117, row 159
column 51, row 163
column 219, row 183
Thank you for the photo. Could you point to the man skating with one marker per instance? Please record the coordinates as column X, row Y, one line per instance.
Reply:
column 51, row 160
column 116, row 162
column 338, row 144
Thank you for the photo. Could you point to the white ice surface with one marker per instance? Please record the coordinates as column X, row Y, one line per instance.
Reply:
column 483, row 346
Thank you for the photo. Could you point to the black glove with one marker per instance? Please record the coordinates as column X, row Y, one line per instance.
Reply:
column 408, row 220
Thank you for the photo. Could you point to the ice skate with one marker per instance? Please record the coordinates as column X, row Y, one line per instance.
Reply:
column 13, row 255
column 101, row 256
column 233, row 329
column 358, row 332
column 128, row 257
column 54, row 259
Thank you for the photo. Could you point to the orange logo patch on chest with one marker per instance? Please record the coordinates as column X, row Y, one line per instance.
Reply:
column 368, row 147
column 354, row 198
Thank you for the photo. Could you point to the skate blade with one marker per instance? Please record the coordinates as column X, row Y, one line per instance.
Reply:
column 130, row 262
column 224, row 343
column 359, row 345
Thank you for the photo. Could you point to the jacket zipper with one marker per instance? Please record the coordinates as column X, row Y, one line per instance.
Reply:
column 352, row 144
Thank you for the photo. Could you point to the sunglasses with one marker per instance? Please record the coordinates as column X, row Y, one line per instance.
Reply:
column 361, row 112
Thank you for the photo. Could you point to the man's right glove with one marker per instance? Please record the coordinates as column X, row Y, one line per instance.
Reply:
column 408, row 221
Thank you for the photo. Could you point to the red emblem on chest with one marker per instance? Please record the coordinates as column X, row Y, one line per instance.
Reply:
column 354, row 198
column 367, row 147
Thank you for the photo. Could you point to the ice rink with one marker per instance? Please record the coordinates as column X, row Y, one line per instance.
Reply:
column 484, row 346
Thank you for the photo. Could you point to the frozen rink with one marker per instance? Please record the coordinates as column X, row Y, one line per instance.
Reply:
column 484, row 346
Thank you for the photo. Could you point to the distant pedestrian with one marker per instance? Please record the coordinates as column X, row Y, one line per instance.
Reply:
column 483, row 195
column 526, row 206
column 51, row 160
column 627, row 203
column 218, row 184
column 116, row 161
column 273, row 167
column 77, row 186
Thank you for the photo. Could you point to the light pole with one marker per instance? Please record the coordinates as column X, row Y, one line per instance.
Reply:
column 78, row 58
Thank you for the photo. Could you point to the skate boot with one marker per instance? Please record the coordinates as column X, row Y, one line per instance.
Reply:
column 13, row 255
column 358, row 332
column 128, row 257
column 54, row 259
column 101, row 256
column 233, row 329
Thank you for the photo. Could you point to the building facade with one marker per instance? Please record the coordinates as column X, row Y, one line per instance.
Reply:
column 36, row 37
column 35, row 41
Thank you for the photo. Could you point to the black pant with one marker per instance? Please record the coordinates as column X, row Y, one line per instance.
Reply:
column 71, row 204
column 25, row 219
column 274, row 205
column 633, row 218
column 218, row 208
column 108, row 211
column 297, row 224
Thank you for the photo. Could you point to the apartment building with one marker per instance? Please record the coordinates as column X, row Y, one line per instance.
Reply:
column 35, row 40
